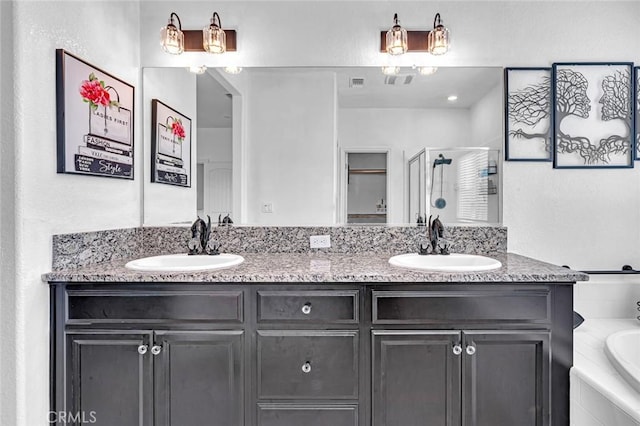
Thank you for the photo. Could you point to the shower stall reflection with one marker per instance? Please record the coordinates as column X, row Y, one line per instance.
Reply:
column 462, row 185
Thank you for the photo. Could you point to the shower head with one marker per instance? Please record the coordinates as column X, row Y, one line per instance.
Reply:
column 441, row 160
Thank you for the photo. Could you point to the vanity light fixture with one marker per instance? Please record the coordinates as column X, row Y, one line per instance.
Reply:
column 197, row 69
column 438, row 39
column 214, row 39
column 427, row 70
column 232, row 69
column 172, row 37
column 390, row 70
column 396, row 41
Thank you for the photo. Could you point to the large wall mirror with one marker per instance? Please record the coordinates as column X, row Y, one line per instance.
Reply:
column 330, row 146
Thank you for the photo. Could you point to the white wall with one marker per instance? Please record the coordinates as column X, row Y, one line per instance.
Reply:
column 8, row 290
column 214, row 144
column 45, row 202
column 291, row 143
column 175, row 87
column 412, row 130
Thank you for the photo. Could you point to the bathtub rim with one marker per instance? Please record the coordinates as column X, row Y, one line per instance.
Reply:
column 626, row 369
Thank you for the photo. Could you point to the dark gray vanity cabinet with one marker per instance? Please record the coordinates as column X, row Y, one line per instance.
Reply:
column 339, row 354
column 107, row 380
column 148, row 355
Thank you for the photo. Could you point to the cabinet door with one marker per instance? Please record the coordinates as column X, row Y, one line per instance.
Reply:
column 506, row 378
column 416, row 378
column 108, row 379
column 198, row 378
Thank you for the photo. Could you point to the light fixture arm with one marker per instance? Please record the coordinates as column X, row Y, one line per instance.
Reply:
column 178, row 18
column 214, row 18
column 437, row 21
column 395, row 19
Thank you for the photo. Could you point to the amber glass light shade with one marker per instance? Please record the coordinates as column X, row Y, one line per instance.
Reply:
column 214, row 39
column 438, row 41
column 396, row 40
column 172, row 37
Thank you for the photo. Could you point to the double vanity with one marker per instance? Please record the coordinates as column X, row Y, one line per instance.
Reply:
column 314, row 338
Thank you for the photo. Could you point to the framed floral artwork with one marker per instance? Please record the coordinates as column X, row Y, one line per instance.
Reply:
column 170, row 146
column 527, row 118
column 94, row 112
column 593, row 115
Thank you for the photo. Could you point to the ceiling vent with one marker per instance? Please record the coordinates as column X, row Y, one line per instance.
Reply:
column 356, row 83
column 398, row 80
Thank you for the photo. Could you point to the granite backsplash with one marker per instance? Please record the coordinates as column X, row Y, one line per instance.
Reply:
column 83, row 249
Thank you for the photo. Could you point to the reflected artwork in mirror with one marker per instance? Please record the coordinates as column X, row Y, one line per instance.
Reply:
column 272, row 143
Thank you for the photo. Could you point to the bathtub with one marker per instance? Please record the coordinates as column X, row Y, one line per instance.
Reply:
column 599, row 394
column 623, row 350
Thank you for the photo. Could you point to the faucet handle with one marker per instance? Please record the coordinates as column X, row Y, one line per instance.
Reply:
column 213, row 247
column 443, row 246
column 425, row 248
column 194, row 245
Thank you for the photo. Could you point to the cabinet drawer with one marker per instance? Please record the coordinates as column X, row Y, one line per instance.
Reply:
column 117, row 306
column 308, row 306
column 307, row 415
column 307, row 364
column 432, row 307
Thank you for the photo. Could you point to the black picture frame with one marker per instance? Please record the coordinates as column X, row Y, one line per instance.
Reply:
column 636, row 112
column 527, row 114
column 593, row 125
column 94, row 120
column 170, row 145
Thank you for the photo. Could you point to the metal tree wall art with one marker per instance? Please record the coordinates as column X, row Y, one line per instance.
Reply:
column 528, row 114
column 593, row 124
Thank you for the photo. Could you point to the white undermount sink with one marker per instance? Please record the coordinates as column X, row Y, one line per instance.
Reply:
column 445, row 263
column 184, row 262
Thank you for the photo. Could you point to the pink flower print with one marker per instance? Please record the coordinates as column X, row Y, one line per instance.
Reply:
column 178, row 129
column 94, row 92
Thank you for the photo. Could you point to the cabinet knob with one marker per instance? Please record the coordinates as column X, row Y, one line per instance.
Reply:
column 471, row 349
column 306, row 308
column 142, row 349
column 306, row 367
column 457, row 349
column 156, row 349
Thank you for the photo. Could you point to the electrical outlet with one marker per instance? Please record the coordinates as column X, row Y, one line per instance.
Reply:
column 320, row 241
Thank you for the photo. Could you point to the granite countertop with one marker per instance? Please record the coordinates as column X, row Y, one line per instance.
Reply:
column 324, row 267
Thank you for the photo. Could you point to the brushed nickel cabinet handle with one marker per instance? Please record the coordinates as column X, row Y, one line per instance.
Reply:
column 306, row 367
column 142, row 349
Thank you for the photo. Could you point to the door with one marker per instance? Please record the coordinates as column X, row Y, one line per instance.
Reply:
column 198, row 378
column 506, row 378
column 416, row 378
column 108, row 379
column 218, row 190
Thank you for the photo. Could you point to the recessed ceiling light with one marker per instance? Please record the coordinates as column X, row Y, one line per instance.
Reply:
column 452, row 98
